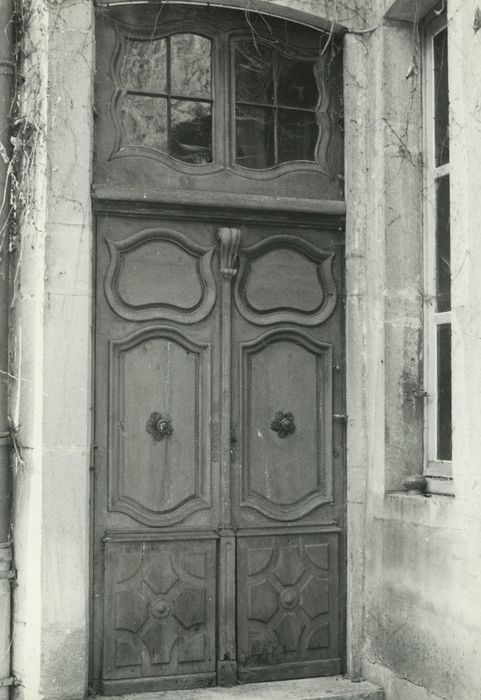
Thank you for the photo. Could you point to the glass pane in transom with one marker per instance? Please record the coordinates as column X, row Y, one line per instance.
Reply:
column 255, row 137
column 254, row 79
column 191, row 131
column 144, row 66
column 144, row 121
column 298, row 133
column 190, row 66
column 297, row 86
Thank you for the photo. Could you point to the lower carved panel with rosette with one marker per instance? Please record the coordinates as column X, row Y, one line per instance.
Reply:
column 288, row 606
column 160, row 609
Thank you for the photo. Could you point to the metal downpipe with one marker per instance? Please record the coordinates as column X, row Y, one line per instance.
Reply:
column 7, row 71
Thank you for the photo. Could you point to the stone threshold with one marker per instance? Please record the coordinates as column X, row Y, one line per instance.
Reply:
column 332, row 688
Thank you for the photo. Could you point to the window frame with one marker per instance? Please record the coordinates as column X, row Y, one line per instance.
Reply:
column 434, row 468
column 223, row 99
column 296, row 52
column 168, row 94
column 164, row 31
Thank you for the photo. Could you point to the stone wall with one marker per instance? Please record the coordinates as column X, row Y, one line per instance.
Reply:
column 422, row 623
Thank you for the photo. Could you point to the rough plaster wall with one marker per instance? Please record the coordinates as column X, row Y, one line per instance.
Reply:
column 423, row 556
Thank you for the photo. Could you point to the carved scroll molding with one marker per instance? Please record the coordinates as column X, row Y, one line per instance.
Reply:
column 308, row 452
column 161, row 482
column 202, row 277
column 229, row 245
column 323, row 262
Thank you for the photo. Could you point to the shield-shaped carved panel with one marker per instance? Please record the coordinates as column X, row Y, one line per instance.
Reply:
column 158, row 274
column 285, row 279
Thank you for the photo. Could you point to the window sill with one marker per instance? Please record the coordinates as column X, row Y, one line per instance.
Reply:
column 434, row 495
column 439, row 468
column 440, row 486
column 429, row 484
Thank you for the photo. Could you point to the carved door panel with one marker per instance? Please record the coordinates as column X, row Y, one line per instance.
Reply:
column 157, row 454
column 218, row 463
column 288, row 484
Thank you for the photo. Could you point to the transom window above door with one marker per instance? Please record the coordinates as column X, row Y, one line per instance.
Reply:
column 201, row 91
column 168, row 101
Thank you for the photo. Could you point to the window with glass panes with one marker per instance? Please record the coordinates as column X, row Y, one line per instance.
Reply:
column 437, row 251
column 276, row 103
column 174, row 92
column 167, row 98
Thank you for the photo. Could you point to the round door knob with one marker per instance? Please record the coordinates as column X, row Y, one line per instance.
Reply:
column 163, row 426
column 288, row 425
column 159, row 426
column 283, row 424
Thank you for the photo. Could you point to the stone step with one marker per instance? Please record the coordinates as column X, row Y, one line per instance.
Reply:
column 332, row 688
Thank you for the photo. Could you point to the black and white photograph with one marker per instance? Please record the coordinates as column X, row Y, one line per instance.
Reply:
column 240, row 349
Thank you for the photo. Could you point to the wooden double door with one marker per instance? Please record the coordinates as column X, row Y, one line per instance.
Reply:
column 219, row 452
